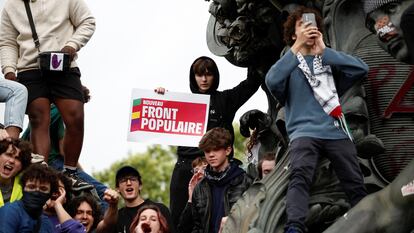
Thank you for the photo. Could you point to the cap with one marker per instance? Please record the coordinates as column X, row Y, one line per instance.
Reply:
column 127, row 170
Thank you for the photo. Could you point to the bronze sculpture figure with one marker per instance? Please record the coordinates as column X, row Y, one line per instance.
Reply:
column 380, row 112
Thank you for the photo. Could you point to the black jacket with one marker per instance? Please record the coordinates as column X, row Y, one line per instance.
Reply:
column 202, row 198
column 223, row 105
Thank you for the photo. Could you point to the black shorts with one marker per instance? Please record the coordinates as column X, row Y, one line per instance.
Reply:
column 52, row 85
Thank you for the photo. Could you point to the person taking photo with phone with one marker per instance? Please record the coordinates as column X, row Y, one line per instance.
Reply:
column 303, row 81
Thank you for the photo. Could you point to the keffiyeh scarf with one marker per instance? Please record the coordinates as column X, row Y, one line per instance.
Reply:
column 324, row 90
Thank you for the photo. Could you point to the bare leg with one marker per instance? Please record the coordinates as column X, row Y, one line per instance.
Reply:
column 39, row 117
column 73, row 117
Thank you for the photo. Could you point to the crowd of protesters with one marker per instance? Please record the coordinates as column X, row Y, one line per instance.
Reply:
column 44, row 190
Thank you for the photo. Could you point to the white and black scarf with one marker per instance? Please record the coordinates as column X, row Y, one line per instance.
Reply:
column 324, row 90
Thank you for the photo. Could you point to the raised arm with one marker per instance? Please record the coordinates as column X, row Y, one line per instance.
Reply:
column 107, row 224
column 68, row 224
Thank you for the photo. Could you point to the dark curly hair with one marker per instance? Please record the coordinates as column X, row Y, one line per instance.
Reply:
column 88, row 198
column 290, row 24
column 25, row 148
column 67, row 183
column 41, row 173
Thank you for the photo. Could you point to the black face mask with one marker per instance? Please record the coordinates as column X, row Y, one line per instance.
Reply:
column 34, row 201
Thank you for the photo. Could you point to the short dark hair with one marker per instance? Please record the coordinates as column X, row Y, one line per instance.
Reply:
column 205, row 66
column 290, row 24
column 127, row 171
column 215, row 138
column 41, row 173
column 88, row 198
column 25, row 148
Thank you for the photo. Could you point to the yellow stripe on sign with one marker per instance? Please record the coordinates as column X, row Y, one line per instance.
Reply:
column 136, row 115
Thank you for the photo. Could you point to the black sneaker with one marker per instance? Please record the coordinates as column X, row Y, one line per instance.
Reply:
column 78, row 183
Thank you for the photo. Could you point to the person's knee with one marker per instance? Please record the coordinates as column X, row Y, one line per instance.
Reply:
column 38, row 118
column 20, row 91
column 74, row 121
column 301, row 174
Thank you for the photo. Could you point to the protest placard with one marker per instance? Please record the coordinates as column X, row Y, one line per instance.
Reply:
column 170, row 119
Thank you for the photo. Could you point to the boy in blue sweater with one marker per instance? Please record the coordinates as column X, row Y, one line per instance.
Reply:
column 302, row 80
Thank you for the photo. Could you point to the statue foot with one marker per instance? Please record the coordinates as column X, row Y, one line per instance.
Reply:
column 370, row 146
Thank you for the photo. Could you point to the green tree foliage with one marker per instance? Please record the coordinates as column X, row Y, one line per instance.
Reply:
column 156, row 166
column 239, row 145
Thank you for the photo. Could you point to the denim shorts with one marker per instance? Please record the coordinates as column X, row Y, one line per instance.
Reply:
column 52, row 85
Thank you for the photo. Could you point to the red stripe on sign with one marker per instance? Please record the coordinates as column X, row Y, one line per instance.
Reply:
column 136, row 108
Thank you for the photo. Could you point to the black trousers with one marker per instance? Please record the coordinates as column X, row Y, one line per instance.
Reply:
column 304, row 156
column 179, row 187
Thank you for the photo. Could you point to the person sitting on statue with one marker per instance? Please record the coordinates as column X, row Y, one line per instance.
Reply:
column 205, row 79
column 14, row 95
column 302, row 81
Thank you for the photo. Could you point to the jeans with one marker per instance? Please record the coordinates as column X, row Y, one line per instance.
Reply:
column 304, row 155
column 100, row 188
column 14, row 95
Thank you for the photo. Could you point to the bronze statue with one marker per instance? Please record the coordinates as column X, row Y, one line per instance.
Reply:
column 379, row 111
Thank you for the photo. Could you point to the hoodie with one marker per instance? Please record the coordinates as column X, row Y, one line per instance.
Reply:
column 223, row 104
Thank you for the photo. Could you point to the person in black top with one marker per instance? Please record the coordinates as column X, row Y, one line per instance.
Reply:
column 128, row 183
column 205, row 79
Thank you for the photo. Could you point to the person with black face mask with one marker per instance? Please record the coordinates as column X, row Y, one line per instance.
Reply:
column 26, row 215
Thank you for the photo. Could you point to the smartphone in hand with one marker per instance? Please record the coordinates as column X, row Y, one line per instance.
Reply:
column 309, row 17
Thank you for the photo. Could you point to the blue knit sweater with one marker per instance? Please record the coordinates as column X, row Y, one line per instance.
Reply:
column 304, row 115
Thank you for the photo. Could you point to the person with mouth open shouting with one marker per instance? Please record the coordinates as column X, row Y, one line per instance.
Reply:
column 86, row 210
column 149, row 219
column 129, row 184
column 15, row 156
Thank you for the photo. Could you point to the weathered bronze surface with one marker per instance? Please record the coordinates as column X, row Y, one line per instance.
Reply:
column 380, row 112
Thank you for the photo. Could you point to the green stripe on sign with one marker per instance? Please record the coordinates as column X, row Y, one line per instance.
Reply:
column 136, row 102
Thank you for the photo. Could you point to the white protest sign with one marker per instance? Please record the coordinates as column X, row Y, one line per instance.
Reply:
column 174, row 118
